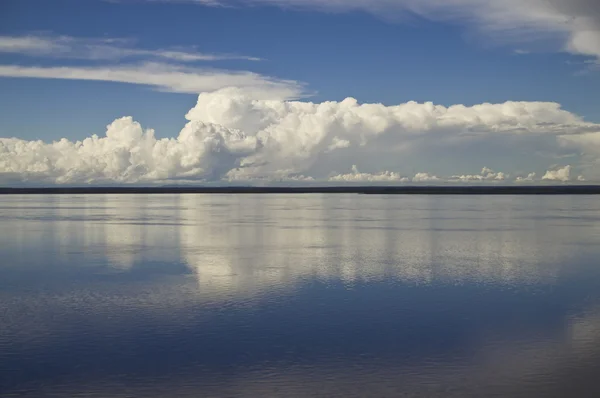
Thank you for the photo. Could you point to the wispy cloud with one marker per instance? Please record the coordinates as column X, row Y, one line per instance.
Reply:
column 167, row 69
column 103, row 49
column 573, row 24
column 166, row 77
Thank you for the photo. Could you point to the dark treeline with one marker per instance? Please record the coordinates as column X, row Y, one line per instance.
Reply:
column 373, row 190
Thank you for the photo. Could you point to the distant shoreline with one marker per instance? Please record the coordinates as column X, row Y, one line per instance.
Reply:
column 366, row 190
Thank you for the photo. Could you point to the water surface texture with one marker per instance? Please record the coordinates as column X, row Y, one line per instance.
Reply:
column 299, row 296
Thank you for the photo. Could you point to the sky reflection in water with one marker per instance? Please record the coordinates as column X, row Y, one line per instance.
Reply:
column 314, row 295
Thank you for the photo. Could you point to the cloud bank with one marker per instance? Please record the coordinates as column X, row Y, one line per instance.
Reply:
column 232, row 136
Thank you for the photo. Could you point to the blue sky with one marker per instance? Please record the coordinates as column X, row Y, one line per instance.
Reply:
column 370, row 51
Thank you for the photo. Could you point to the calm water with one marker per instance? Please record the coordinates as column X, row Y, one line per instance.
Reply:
column 294, row 296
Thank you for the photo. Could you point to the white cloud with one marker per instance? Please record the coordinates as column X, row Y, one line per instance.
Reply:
column 530, row 178
column 562, row 174
column 233, row 135
column 337, row 143
column 129, row 154
column 166, row 77
column 356, row 176
column 163, row 69
column 102, row 49
column 425, row 177
column 486, row 174
column 573, row 24
column 297, row 134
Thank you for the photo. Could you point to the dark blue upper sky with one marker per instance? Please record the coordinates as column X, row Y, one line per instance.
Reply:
column 336, row 54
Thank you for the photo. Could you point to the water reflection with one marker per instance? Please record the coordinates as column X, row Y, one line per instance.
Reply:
column 257, row 242
column 316, row 295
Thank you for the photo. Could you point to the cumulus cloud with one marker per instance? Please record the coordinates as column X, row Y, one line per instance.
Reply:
column 337, row 143
column 486, row 174
column 232, row 135
column 357, row 176
column 129, row 154
column 166, row 77
column 573, row 24
column 102, row 49
column 297, row 134
column 562, row 174
column 425, row 177
column 529, row 178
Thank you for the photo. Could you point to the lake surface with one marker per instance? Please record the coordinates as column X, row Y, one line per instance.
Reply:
column 299, row 296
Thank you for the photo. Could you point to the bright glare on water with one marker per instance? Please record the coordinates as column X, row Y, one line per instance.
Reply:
column 299, row 296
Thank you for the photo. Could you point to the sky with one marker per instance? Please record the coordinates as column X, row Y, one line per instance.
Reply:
column 299, row 91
